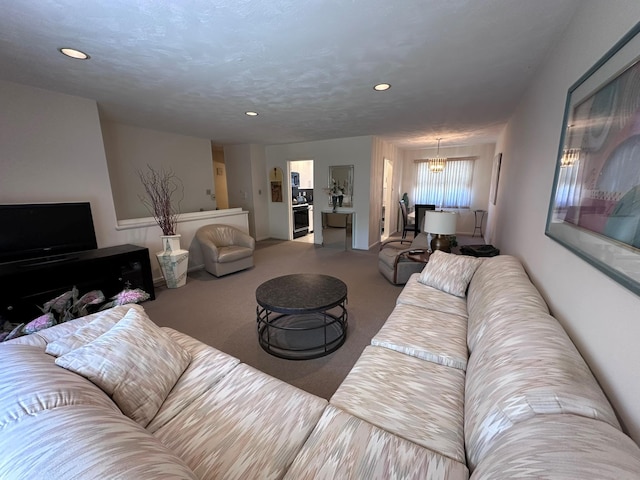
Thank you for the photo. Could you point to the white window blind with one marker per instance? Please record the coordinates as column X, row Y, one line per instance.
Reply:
column 450, row 188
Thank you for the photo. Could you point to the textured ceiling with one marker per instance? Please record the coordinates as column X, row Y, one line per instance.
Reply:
column 457, row 67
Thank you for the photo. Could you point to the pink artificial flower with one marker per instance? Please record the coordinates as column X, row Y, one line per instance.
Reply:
column 92, row 298
column 59, row 303
column 130, row 296
column 43, row 321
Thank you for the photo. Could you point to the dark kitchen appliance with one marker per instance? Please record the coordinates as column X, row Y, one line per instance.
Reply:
column 295, row 180
column 300, row 220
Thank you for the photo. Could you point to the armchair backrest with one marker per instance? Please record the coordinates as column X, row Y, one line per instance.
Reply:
column 224, row 236
column 421, row 241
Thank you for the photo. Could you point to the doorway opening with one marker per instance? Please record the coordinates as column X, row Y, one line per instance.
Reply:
column 219, row 177
column 301, row 195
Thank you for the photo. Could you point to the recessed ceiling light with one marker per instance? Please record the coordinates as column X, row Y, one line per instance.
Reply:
column 381, row 87
column 73, row 53
column 251, row 114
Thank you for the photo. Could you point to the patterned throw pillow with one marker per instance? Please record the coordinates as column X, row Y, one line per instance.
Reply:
column 84, row 335
column 135, row 363
column 449, row 273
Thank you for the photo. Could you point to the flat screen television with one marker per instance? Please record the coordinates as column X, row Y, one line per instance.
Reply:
column 45, row 230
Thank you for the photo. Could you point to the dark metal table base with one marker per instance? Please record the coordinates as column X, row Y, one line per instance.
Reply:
column 301, row 316
column 302, row 336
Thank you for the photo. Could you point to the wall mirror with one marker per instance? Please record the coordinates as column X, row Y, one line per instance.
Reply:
column 341, row 185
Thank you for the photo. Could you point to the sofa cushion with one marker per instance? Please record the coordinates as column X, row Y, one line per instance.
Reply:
column 449, row 273
column 499, row 285
column 135, row 362
column 233, row 253
column 248, row 425
column 526, row 365
column 34, row 340
column 343, row 446
column 420, row 401
column 99, row 324
column 85, row 442
column 561, row 447
column 420, row 295
column 427, row 334
column 207, row 367
column 30, row 382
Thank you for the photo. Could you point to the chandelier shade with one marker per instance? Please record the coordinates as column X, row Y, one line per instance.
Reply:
column 437, row 164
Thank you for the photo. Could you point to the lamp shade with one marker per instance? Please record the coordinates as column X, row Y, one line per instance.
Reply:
column 440, row 223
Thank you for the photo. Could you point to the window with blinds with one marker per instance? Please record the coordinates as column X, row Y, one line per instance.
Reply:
column 450, row 188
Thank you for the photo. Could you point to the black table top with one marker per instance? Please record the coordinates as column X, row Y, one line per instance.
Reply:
column 301, row 293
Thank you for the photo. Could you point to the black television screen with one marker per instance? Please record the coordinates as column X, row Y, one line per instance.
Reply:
column 39, row 230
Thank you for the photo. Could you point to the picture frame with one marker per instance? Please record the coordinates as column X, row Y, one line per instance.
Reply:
column 495, row 178
column 594, row 210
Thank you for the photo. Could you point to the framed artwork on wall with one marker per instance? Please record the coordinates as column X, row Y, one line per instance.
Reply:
column 495, row 178
column 595, row 203
column 275, row 183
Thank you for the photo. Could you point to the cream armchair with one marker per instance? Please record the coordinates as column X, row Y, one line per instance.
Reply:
column 394, row 262
column 225, row 249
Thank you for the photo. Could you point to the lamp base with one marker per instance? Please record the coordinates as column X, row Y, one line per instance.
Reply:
column 441, row 242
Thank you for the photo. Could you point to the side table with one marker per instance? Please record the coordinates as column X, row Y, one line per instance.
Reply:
column 421, row 256
column 479, row 219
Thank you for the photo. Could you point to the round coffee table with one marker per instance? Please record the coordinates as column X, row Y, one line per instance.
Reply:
column 301, row 316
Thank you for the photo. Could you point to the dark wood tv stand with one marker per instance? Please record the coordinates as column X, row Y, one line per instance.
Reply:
column 27, row 284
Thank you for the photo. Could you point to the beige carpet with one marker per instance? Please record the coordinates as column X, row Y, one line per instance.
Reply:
column 222, row 311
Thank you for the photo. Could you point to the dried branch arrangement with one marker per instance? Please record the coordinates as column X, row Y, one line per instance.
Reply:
column 160, row 187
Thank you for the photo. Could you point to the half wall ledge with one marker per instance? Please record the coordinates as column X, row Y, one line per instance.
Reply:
column 146, row 233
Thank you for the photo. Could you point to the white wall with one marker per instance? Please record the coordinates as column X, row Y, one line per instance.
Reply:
column 261, row 192
column 600, row 315
column 354, row 151
column 247, row 184
column 479, row 188
column 51, row 151
column 130, row 149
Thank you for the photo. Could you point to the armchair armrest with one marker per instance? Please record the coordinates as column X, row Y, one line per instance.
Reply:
column 244, row 240
column 393, row 243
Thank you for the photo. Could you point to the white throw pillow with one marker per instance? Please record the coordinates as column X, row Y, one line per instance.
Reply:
column 449, row 273
column 134, row 362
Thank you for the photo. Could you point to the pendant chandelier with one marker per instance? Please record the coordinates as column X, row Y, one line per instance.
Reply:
column 437, row 164
column 569, row 157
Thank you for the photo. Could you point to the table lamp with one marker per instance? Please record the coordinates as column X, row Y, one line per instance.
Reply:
column 440, row 225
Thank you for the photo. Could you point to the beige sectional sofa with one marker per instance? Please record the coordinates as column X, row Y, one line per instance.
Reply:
column 482, row 386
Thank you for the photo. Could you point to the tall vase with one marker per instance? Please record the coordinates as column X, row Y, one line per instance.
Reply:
column 173, row 261
column 334, row 201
